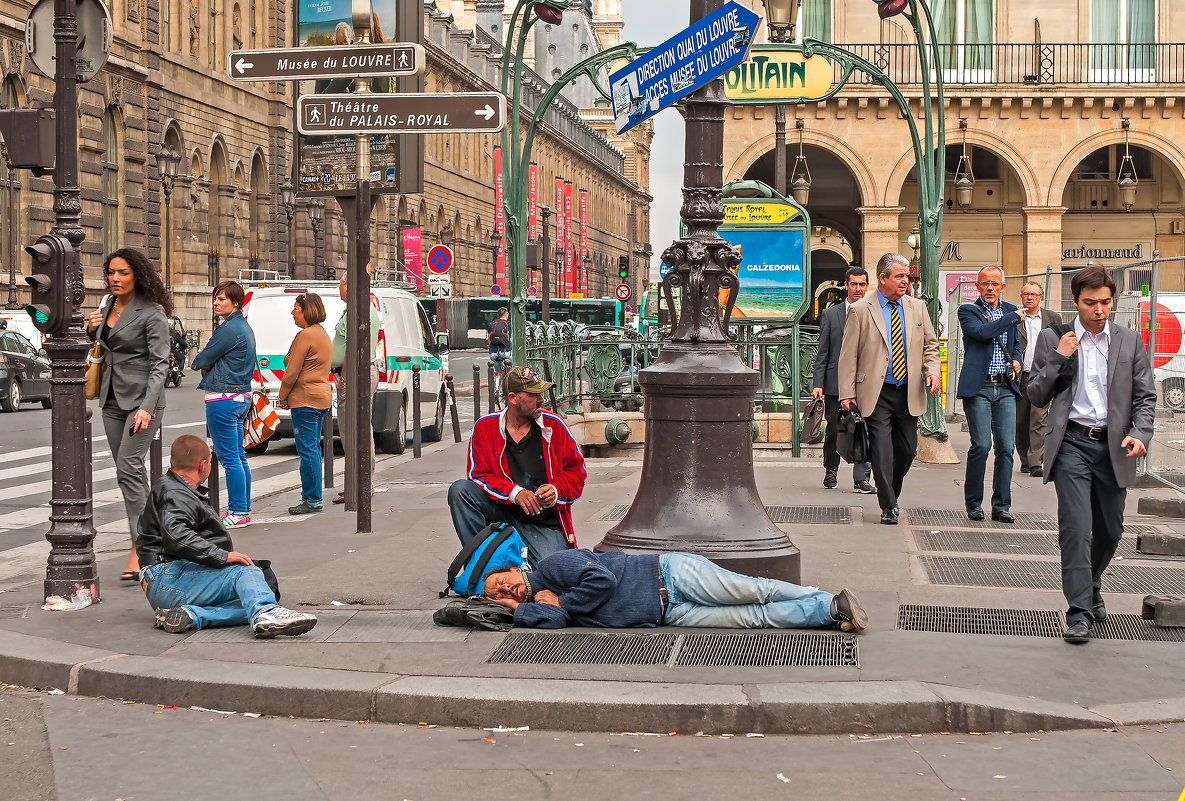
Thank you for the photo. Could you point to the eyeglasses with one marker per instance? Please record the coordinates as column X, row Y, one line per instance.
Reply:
column 1030, row 294
column 991, row 284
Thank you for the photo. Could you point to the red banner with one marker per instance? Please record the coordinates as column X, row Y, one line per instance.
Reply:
column 569, row 251
column 412, row 263
column 583, row 241
column 533, row 203
column 499, row 221
column 558, row 275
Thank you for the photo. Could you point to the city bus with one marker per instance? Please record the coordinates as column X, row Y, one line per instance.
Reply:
column 470, row 318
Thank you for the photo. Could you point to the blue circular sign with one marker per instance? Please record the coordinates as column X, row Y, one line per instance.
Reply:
column 495, row 290
column 663, row 269
column 440, row 259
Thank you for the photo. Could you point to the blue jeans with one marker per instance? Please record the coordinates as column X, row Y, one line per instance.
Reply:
column 500, row 356
column 225, row 419
column 700, row 593
column 226, row 596
column 472, row 510
column 991, row 416
column 306, row 430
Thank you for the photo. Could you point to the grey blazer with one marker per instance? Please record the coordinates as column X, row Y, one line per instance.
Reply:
column 1131, row 396
column 135, row 357
column 831, row 326
column 1048, row 318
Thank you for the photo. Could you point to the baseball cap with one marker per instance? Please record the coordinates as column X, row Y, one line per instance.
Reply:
column 524, row 379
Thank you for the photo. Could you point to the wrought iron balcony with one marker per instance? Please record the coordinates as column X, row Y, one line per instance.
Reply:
column 1036, row 64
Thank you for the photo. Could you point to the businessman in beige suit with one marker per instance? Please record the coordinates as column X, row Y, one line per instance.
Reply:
column 888, row 360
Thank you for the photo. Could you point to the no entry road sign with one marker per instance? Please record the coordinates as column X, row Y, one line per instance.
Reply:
column 622, row 292
column 440, row 259
column 343, row 61
column 681, row 64
column 471, row 112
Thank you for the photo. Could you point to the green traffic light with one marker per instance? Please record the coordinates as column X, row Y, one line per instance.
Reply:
column 40, row 318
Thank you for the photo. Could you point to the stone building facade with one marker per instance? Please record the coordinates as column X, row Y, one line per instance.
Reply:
column 165, row 84
column 1046, row 96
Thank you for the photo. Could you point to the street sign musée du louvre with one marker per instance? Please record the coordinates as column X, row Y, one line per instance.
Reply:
column 326, row 161
column 778, row 74
column 349, row 61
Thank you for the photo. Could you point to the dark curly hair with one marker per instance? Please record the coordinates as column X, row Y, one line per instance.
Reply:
column 147, row 277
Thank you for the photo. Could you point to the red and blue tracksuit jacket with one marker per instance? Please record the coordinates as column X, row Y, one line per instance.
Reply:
column 488, row 467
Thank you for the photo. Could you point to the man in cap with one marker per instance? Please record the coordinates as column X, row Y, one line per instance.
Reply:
column 524, row 468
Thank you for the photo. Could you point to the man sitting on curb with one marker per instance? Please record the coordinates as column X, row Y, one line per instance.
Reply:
column 615, row 590
column 524, row 468
column 191, row 573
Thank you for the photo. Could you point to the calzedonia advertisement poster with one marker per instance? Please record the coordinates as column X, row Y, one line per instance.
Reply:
column 771, row 272
column 327, row 163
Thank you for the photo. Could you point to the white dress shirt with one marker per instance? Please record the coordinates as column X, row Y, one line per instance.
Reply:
column 1090, row 390
column 1032, row 331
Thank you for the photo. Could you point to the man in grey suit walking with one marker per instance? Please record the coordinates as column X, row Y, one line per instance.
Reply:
column 1030, row 419
column 826, row 381
column 1097, row 380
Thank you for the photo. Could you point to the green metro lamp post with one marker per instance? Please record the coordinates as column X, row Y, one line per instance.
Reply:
column 516, row 146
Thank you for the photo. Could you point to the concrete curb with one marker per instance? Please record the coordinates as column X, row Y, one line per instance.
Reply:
column 776, row 708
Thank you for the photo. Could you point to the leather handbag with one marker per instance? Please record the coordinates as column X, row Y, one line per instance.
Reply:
column 852, row 437
column 812, row 420
column 94, row 371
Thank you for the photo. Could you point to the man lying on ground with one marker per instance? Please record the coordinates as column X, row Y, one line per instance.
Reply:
column 615, row 590
column 190, row 571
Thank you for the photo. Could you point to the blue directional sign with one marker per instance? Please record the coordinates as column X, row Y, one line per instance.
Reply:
column 681, row 64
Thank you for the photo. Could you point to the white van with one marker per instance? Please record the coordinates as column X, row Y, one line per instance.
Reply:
column 405, row 339
column 1131, row 311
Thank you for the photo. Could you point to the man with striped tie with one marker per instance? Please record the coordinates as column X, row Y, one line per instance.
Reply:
column 888, row 360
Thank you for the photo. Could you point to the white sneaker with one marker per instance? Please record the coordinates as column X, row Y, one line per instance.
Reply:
column 230, row 520
column 279, row 620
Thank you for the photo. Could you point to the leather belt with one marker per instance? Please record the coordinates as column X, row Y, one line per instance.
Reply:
column 998, row 378
column 1097, row 433
column 663, row 598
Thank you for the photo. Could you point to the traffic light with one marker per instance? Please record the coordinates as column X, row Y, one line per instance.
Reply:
column 53, row 256
column 623, row 267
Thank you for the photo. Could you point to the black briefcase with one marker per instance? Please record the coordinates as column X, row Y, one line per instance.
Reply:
column 851, row 438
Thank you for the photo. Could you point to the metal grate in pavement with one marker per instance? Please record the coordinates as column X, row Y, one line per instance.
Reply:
column 583, row 648
column 1011, row 542
column 799, row 649
column 809, row 514
column 1046, row 575
column 1034, row 521
column 777, row 514
column 1025, row 623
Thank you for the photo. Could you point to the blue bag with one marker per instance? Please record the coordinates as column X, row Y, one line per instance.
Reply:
column 496, row 545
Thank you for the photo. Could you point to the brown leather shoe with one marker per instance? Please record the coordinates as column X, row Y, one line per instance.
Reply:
column 341, row 497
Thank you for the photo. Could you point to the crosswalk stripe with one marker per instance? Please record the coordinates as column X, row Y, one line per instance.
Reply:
column 35, row 487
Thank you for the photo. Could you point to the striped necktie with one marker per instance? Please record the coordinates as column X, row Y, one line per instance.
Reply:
column 898, row 341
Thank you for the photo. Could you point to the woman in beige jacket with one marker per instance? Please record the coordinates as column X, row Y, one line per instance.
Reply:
column 306, row 391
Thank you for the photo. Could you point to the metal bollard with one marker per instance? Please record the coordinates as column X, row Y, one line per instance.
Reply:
column 327, row 448
column 415, row 411
column 155, row 455
column 212, row 481
column 452, row 396
column 490, row 381
column 476, row 391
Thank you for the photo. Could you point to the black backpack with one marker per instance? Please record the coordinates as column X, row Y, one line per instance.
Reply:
column 500, row 333
column 475, row 613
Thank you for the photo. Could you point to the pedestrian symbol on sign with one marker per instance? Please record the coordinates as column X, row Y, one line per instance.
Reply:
column 315, row 111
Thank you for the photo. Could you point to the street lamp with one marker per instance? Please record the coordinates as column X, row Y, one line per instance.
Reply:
column 1127, row 171
column 167, row 160
column 800, row 181
column 496, row 246
column 317, row 220
column 288, row 202
column 964, row 175
column 780, row 16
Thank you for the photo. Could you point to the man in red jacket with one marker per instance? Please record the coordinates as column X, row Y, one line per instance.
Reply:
column 524, row 468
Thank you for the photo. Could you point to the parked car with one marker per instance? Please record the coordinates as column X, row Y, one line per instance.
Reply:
column 20, row 322
column 404, row 340
column 24, row 372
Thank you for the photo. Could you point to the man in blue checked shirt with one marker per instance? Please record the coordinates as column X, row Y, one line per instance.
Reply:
column 989, row 391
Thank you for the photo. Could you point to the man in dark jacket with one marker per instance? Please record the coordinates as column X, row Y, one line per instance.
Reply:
column 190, row 571
column 826, row 381
column 988, row 389
column 615, row 590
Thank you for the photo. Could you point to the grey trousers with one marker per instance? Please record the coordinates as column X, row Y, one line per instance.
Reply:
column 128, row 452
column 345, row 415
column 1089, row 520
column 1030, row 428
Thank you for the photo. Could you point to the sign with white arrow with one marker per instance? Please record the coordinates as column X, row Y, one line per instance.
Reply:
column 343, row 61
column 465, row 112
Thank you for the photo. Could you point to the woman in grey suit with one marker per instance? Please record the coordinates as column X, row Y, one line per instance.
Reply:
column 134, row 329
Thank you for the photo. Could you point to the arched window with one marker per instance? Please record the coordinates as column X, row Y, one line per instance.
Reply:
column 110, row 184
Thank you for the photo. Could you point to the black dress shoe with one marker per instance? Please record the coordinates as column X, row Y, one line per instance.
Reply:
column 1002, row 517
column 1099, row 611
column 888, row 517
column 1037, row 472
column 1078, row 633
column 975, row 514
column 896, row 510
